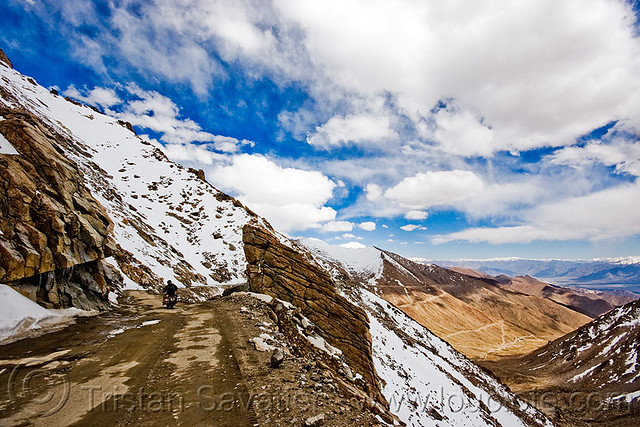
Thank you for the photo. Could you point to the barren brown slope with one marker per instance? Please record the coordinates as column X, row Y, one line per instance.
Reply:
column 587, row 302
column 476, row 316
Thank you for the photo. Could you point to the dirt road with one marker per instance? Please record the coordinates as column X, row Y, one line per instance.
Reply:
column 138, row 365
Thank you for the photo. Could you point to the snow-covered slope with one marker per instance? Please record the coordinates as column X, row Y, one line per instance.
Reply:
column 428, row 383
column 602, row 354
column 425, row 380
column 361, row 262
column 168, row 218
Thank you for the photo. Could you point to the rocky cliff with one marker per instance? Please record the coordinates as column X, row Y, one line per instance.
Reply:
column 53, row 233
column 276, row 269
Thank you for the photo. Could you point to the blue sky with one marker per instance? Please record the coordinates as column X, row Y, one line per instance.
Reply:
column 460, row 130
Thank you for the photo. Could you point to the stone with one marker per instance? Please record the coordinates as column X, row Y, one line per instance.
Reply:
column 316, row 420
column 277, row 357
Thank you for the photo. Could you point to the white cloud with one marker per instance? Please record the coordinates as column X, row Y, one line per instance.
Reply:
column 434, row 188
column 411, row 227
column 352, row 245
column 524, row 70
column 291, row 199
column 460, row 132
column 373, row 192
column 188, row 152
column 154, row 111
column 334, row 226
column 98, row 97
column 416, row 215
column 338, row 131
column 606, row 214
column 622, row 153
column 367, row 225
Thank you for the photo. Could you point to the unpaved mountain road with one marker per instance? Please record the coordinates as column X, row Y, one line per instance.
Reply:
column 138, row 365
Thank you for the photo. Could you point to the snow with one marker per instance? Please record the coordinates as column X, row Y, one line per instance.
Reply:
column 261, row 344
column 6, row 147
column 20, row 317
column 149, row 322
column 361, row 260
column 583, row 374
column 320, row 343
column 629, row 396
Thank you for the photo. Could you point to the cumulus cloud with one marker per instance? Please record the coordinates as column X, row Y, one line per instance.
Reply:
column 291, row 199
column 522, row 70
column 334, row 226
column 98, row 97
column 352, row 129
column 416, row 215
column 428, row 189
column 411, row 227
column 367, row 225
column 462, row 133
column 621, row 152
column 153, row 111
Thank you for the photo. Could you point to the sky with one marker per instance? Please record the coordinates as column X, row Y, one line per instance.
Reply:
column 442, row 130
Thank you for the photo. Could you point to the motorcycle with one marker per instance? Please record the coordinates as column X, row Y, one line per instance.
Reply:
column 169, row 300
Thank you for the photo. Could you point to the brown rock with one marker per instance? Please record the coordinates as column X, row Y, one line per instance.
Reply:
column 5, row 60
column 49, row 221
column 282, row 272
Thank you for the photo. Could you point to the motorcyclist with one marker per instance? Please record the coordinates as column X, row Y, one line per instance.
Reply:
column 170, row 297
column 170, row 289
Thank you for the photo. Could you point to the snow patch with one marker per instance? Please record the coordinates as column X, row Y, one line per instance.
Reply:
column 6, row 147
column 20, row 317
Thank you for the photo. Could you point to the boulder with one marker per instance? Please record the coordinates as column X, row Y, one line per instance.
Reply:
column 277, row 357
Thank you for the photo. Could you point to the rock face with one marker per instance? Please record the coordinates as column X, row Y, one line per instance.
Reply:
column 4, row 60
column 282, row 272
column 53, row 233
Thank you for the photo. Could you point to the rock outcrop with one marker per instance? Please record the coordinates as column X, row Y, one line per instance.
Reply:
column 4, row 60
column 275, row 269
column 53, row 233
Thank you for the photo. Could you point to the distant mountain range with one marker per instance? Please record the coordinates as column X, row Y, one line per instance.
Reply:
column 611, row 274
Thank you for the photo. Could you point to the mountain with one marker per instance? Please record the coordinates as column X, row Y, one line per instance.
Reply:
column 588, row 302
column 597, row 364
column 92, row 210
column 619, row 275
column 477, row 316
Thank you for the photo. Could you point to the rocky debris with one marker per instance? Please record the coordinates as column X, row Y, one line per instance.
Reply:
column 307, row 381
column 198, row 173
column 5, row 60
column 282, row 272
column 49, row 220
column 244, row 287
column 315, row 421
column 277, row 357
column 137, row 271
